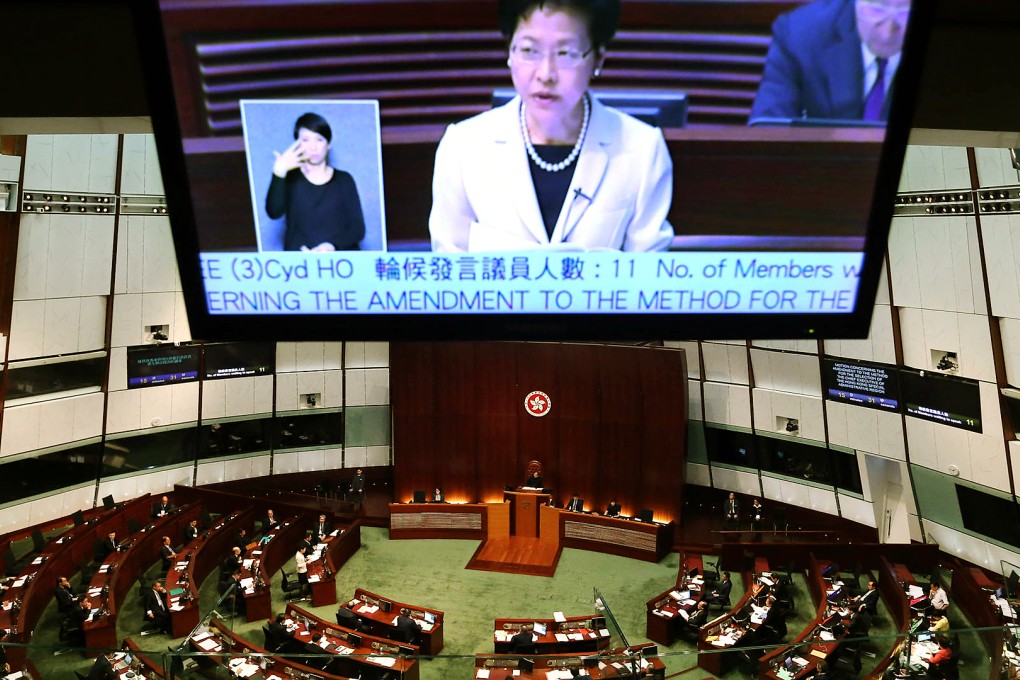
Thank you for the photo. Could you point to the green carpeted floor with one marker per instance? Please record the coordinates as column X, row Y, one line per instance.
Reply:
column 431, row 573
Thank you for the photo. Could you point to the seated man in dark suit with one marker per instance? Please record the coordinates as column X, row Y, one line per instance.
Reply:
column 869, row 598
column 613, row 509
column 860, row 622
column 321, row 528
column 721, row 594
column 833, row 59
column 64, row 596
column 191, row 531
column 236, row 599
column 348, row 619
column 699, row 616
column 269, row 522
column 102, row 669
column 279, row 635
column 773, row 628
column 162, row 508
column 241, row 541
column 76, row 622
column 407, row 629
column 156, row 606
column 524, row 641
column 167, row 553
column 576, row 503
column 108, row 546
column 233, row 561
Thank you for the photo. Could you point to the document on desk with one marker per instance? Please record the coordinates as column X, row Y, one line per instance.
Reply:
column 664, row 613
column 915, row 591
column 387, row 661
column 827, row 635
column 561, row 637
column 559, row 617
column 576, row 636
column 366, row 609
column 209, row 644
column 604, row 632
column 482, row 673
column 314, row 578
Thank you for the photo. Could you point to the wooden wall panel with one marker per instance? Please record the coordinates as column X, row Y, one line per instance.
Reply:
column 537, row 438
column 617, row 425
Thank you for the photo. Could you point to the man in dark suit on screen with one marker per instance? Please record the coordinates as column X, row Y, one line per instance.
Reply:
column 833, row 59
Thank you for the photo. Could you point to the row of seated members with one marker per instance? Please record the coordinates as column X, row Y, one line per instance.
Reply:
column 405, row 628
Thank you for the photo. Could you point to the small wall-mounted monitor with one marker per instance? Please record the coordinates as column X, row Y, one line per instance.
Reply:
column 419, row 495
column 108, row 502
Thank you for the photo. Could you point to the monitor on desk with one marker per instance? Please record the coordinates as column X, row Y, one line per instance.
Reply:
column 108, row 502
column 78, row 518
column 526, row 665
column 386, row 606
column 430, row 617
column 419, row 495
column 659, row 108
column 540, row 628
column 354, row 640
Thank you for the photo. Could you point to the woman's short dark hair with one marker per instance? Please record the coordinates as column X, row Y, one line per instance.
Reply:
column 315, row 123
column 603, row 15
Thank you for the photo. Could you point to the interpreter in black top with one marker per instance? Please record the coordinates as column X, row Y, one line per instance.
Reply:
column 321, row 203
column 613, row 509
column 438, row 496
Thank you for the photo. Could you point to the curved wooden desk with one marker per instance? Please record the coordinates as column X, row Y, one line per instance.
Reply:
column 357, row 653
column 380, row 620
column 121, row 570
column 614, row 663
column 574, row 635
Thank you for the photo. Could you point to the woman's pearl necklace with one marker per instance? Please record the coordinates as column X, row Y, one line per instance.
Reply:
column 546, row 165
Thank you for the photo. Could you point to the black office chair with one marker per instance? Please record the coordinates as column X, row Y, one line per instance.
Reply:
column 292, row 588
column 38, row 542
column 133, row 525
column 11, row 566
column 87, row 571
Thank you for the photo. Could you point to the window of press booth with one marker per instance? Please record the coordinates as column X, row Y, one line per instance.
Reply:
column 46, row 473
column 138, row 452
column 298, row 430
column 731, row 447
column 234, row 437
column 847, row 469
column 55, row 375
column 793, row 459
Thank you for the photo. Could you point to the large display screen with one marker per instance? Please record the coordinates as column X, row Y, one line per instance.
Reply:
column 861, row 383
column 149, row 365
column 946, row 399
column 345, row 173
column 238, row 359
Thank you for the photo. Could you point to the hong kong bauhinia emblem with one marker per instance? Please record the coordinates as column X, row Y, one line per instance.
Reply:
column 537, row 403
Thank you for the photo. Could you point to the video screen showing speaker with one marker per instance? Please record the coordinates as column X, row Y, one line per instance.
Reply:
column 272, row 127
column 947, row 399
column 861, row 383
column 238, row 359
column 150, row 365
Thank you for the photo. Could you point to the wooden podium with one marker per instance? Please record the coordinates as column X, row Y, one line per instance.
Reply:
column 525, row 511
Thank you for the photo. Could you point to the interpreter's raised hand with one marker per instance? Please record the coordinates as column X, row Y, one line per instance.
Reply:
column 291, row 159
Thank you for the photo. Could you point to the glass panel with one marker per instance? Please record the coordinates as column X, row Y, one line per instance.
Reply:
column 731, row 447
column 235, row 437
column 49, row 472
column 793, row 459
column 300, row 430
column 63, row 376
column 148, row 451
column 848, row 472
column 368, row 425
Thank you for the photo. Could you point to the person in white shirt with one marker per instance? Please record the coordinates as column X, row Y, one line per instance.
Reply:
column 301, row 566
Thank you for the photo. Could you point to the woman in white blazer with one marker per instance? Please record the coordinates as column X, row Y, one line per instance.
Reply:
column 553, row 167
